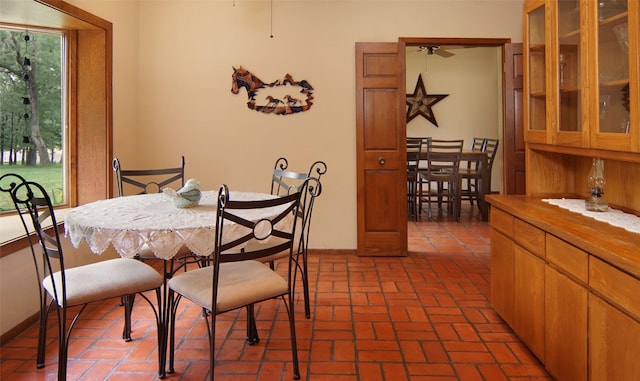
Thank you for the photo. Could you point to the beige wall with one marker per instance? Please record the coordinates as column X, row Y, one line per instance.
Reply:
column 172, row 80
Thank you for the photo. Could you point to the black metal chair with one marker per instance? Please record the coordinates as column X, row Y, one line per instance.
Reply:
column 284, row 182
column 237, row 277
column 154, row 180
column 78, row 286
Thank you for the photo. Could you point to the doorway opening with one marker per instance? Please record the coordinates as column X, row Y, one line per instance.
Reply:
column 470, row 71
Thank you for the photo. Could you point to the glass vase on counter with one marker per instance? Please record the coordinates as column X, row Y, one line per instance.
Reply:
column 595, row 183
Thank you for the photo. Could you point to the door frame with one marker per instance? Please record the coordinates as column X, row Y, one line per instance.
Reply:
column 403, row 42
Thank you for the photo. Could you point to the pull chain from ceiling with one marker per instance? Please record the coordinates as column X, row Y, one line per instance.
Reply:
column 270, row 16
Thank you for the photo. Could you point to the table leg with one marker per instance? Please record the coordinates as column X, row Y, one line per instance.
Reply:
column 484, row 189
column 164, row 319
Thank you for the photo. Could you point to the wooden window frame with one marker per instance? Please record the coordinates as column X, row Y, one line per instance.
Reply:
column 89, row 104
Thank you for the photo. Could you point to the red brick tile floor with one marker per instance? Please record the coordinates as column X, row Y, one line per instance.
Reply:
column 424, row 317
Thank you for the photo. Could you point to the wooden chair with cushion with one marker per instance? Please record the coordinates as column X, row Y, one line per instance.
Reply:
column 237, row 276
column 443, row 173
column 72, row 289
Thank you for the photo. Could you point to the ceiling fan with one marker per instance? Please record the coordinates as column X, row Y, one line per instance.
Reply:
column 436, row 49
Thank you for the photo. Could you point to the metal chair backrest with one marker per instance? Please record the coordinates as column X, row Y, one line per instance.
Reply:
column 284, row 182
column 141, row 181
column 271, row 235
column 36, row 213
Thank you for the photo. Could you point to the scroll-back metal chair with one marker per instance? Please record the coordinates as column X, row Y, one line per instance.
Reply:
column 72, row 287
column 443, row 168
column 414, row 152
column 154, row 180
column 471, row 174
column 237, row 276
column 284, row 182
column 141, row 181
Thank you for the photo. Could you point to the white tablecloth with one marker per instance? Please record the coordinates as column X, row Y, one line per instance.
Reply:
column 129, row 223
column 613, row 217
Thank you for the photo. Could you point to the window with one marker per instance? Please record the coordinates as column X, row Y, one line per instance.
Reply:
column 32, row 117
column 86, row 113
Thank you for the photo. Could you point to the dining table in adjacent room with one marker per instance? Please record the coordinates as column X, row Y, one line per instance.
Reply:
column 484, row 182
column 131, row 223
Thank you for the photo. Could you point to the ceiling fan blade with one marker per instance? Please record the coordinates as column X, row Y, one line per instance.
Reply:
column 444, row 53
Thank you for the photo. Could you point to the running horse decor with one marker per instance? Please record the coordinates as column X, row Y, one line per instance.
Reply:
column 273, row 103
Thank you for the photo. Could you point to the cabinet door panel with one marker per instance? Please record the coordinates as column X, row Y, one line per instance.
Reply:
column 565, row 327
column 613, row 343
column 502, row 298
column 529, row 300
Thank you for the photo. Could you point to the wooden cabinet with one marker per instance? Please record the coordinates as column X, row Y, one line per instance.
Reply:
column 517, row 289
column 582, row 97
column 581, row 73
column 568, row 286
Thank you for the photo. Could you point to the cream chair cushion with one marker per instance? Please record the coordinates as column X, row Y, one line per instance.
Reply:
column 240, row 284
column 104, row 280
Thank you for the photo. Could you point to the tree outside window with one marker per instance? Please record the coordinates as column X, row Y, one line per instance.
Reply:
column 31, row 108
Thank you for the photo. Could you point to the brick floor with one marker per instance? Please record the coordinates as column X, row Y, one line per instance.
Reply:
column 423, row 317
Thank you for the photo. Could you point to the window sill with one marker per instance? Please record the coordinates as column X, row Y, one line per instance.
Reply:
column 12, row 237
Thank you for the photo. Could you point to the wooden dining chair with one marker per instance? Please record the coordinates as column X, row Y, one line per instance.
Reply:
column 414, row 152
column 72, row 289
column 471, row 174
column 237, row 277
column 441, row 173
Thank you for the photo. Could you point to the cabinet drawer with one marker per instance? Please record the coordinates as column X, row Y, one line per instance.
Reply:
column 529, row 237
column 617, row 286
column 568, row 258
column 502, row 222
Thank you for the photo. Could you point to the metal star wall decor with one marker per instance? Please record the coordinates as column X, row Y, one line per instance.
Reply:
column 420, row 103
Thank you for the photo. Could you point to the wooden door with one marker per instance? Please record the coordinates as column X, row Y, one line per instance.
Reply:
column 513, row 162
column 381, row 151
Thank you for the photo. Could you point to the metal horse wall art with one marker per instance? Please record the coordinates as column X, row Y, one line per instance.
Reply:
column 270, row 102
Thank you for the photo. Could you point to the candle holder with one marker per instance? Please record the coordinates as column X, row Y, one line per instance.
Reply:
column 595, row 183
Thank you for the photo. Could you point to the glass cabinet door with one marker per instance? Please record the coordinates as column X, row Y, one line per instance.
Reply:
column 535, row 82
column 569, row 66
column 613, row 67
